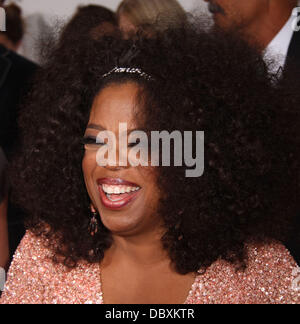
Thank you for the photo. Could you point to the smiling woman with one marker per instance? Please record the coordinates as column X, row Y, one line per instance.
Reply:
column 137, row 208
column 154, row 235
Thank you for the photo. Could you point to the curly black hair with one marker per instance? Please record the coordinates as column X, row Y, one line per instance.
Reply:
column 203, row 80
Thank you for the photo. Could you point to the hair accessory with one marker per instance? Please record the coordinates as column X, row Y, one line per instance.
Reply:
column 137, row 71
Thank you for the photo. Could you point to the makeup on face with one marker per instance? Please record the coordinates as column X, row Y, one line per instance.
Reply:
column 126, row 197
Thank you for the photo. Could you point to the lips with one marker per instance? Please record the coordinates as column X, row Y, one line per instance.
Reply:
column 116, row 193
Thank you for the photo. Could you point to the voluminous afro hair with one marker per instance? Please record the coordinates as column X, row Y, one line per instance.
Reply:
column 204, row 80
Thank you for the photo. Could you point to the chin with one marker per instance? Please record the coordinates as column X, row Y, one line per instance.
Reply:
column 119, row 223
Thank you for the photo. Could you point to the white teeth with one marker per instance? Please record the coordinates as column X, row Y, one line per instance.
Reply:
column 116, row 189
column 108, row 189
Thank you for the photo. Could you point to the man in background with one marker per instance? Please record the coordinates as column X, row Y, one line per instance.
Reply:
column 273, row 26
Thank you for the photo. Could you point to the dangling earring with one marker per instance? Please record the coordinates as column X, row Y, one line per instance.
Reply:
column 94, row 224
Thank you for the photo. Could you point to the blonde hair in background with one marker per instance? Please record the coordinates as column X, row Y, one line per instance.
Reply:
column 152, row 12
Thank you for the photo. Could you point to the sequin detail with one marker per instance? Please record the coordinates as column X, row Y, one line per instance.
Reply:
column 272, row 277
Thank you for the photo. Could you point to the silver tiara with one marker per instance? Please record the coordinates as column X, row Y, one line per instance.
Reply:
column 130, row 71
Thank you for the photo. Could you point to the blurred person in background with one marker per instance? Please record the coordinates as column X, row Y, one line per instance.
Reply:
column 270, row 24
column 14, row 26
column 273, row 26
column 150, row 14
column 91, row 20
column 16, row 73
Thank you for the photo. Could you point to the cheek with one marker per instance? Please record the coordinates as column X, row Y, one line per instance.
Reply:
column 244, row 11
column 154, row 193
column 88, row 166
column 233, row 9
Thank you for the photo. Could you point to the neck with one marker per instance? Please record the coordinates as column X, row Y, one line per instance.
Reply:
column 264, row 29
column 145, row 250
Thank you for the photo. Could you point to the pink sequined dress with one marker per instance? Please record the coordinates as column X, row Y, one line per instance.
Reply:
column 272, row 276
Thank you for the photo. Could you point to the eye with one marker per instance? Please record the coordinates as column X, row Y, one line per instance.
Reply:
column 90, row 143
column 132, row 144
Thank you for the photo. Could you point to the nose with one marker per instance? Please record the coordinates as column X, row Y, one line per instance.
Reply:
column 120, row 163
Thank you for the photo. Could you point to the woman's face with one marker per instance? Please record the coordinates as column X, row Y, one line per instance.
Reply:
column 126, row 197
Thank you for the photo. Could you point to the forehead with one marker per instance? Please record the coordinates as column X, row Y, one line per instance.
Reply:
column 115, row 104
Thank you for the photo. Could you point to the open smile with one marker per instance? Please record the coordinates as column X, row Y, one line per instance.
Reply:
column 117, row 193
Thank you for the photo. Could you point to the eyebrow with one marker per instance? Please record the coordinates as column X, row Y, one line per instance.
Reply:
column 101, row 128
column 97, row 127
